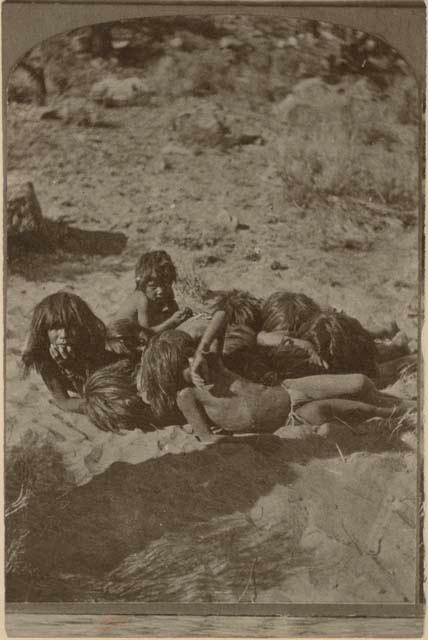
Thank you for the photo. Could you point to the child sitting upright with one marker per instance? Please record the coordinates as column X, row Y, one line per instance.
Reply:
column 152, row 305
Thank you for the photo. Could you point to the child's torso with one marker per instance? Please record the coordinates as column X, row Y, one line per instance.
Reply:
column 158, row 313
column 241, row 406
column 196, row 325
column 73, row 378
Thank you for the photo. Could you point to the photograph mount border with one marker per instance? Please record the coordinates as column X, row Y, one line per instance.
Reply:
column 404, row 30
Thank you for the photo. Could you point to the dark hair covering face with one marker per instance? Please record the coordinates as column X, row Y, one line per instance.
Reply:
column 62, row 310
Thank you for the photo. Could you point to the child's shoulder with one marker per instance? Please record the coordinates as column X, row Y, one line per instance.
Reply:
column 138, row 297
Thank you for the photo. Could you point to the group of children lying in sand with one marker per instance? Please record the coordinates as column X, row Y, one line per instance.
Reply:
column 248, row 366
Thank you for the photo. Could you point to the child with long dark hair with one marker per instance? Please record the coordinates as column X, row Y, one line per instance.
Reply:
column 152, row 305
column 332, row 340
column 112, row 402
column 65, row 344
column 210, row 396
column 127, row 339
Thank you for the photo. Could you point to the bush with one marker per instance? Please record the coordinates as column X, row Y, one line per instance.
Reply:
column 36, row 480
column 348, row 145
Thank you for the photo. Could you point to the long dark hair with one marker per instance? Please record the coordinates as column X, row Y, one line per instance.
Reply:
column 342, row 342
column 62, row 309
column 126, row 338
column 112, row 402
column 288, row 311
column 241, row 308
column 160, row 375
column 154, row 265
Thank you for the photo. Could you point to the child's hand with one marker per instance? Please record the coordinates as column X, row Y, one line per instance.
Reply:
column 315, row 358
column 199, row 372
column 62, row 354
column 182, row 314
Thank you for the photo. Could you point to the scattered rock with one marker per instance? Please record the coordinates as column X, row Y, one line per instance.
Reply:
column 117, row 92
column 228, row 42
column 244, row 139
column 177, row 149
column 205, row 261
column 280, row 44
column 355, row 244
column 278, row 266
column 77, row 111
column 227, row 220
column 292, row 42
column 203, row 125
column 27, row 84
column 294, row 212
column 176, row 43
column 163, row 164
column 254, row 256
column 80, row 43
column 298, row 108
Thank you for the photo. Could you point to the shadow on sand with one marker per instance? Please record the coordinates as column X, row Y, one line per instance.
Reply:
column 128, row 509
column 36, row 256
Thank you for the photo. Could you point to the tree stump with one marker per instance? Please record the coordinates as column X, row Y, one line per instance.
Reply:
column 26, row 229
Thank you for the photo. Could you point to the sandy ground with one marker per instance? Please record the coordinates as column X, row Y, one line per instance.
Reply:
column 160, row 517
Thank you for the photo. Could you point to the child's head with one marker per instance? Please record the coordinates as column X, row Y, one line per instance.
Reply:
column 112, row 402
column 161, row 374
column 342, row 342
column 64, row 314
column 155, row 273
column 287, row 311
column 126, row 338
column 241, row 308
column 239, row 338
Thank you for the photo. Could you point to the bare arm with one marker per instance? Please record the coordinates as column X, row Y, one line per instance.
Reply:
column 142, row 309
column 280, row 338
column 213, row 337
column 60, row 396
column 211, row 342
column 194, row 414
column 129, row 309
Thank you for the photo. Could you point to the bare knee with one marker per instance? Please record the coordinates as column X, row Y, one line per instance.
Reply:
column 316, row 412
column 184, row 396
column 362, row 384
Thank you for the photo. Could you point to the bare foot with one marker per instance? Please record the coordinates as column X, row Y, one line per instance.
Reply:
column 322, row 430
column 401, row 340
column 392, row 329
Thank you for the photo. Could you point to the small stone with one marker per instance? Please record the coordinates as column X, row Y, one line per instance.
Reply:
column 176, row 43
column 254, row 256
column 227, row 220
column 278, row 266
column 120, row 92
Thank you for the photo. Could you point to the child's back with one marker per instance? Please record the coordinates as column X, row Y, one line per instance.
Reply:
column 239, row 405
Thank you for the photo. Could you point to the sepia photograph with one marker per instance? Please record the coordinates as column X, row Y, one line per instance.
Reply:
column 213, row 311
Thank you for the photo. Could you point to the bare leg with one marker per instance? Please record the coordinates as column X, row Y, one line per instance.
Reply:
column 352, row 385
column 353, row 411
column 355, row 386
column 194, row 414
